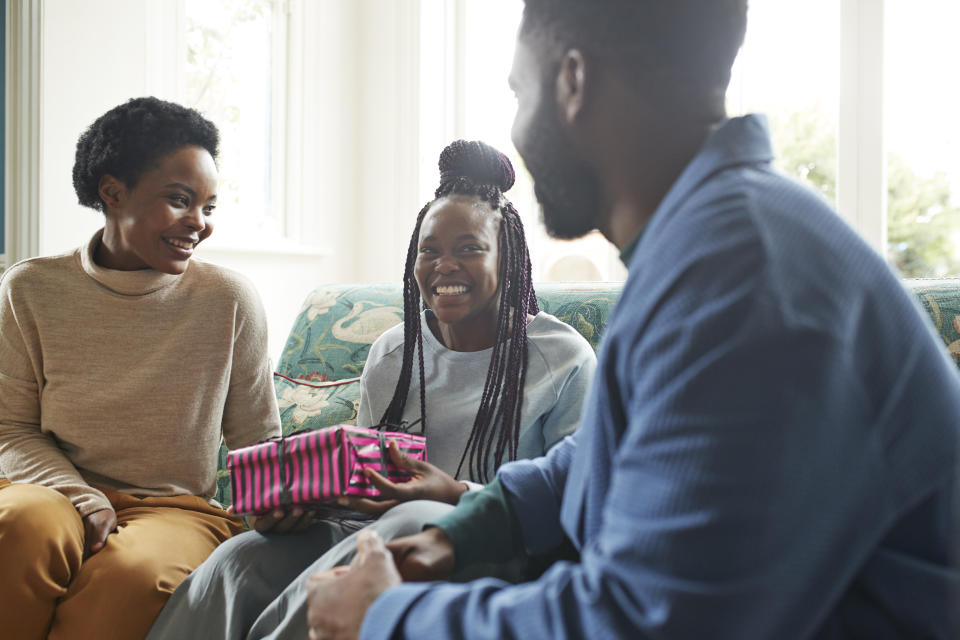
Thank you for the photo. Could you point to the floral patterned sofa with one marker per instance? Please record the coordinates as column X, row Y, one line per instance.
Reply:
column 317, row 378
column 318, row 375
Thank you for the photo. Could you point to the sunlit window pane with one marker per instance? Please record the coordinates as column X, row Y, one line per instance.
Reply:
column 922, row 136
column 228, row 78
column 789, row 69
column 489, row 107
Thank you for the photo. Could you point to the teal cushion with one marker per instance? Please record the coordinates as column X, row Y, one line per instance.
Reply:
column 332, row 334
column 586, row 307
column 308, row 406
column 336, row 325
column 941, row 300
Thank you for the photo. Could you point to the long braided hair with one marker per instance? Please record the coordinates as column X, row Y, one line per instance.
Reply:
column 478, row 170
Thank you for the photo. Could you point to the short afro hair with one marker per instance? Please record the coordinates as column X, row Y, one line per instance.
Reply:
column 131, row 138
column 693, row 42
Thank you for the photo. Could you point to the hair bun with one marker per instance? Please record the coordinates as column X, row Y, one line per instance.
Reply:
column 478, row 162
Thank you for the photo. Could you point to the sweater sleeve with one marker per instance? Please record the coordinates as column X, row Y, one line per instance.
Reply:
column 375, row 396
column 27, row 454
column 250, row 413
column 519, row 512
column 483, row 527
column 365, row 410
column 564, row 417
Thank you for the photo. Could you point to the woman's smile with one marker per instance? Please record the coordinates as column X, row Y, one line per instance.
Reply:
column 457, row 268
column 451, row 290
column 182, row 248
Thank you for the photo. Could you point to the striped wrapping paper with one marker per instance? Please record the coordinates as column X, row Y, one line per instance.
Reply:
column 315, row 467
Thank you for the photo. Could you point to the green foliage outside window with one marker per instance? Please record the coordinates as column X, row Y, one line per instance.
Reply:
column 923, row 216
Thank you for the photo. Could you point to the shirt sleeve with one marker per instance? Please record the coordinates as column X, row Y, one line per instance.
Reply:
column 378, row 381
column 483, row 527
column 27, row 454
column 564, row 417
column 365, row 410
column 250, row 412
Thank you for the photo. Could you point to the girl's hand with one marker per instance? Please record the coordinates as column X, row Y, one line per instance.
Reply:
column 96, row 527
column 293, row 520
column 427, row 483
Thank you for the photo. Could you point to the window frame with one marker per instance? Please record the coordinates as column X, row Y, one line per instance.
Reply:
column 23, row 64
column 861, row 156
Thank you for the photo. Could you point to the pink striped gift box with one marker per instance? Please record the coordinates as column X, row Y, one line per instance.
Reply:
column 314, row 467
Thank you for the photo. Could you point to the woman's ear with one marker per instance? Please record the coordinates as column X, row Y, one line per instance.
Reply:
column 112, row 191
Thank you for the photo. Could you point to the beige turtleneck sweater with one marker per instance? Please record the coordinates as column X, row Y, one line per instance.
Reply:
column 128, row 379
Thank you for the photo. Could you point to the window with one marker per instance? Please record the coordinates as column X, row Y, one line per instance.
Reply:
column 922, row 135
column 233, row 50
column 798, row 93
column 464, row 94
column 858, row 95
column 790, row 69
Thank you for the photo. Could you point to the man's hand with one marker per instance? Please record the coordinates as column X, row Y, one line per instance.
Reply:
column 427, row 482
column 337, row 600
column 96, row 527
column 423, row 557
column 295, row 520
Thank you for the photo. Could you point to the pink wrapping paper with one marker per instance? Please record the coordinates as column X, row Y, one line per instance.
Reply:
column 316, row 467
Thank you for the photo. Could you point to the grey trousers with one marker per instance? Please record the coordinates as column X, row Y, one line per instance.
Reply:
column 254, row 585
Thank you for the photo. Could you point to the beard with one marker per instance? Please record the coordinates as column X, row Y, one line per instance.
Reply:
column 567, row 189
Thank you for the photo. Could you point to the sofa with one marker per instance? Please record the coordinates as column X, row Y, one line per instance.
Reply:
column 317, row 379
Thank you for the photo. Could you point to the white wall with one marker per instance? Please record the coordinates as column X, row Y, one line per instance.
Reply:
column 89, row 65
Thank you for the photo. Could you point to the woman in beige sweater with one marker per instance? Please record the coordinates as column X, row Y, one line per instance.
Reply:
column 122, row 364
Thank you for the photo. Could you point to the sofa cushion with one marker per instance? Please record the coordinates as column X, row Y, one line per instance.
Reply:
column 336, row 325
column 940, row 300
column 584, row 306
column 307, row 405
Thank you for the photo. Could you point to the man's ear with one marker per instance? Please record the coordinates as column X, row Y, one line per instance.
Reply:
column 571, row 86
column 112, row 191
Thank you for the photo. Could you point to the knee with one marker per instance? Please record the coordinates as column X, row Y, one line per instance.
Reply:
column 249, row 554
column 408, row 518
column 247, row 548
column 146, row 580
column 241, row 552
column 32, row 514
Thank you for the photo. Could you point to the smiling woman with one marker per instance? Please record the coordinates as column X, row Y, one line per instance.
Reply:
column 121, row 364
column 156, row 187
column 159, row 222
column 456, row 270
column 475, row 364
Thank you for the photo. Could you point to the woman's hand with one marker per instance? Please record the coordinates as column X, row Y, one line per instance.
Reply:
column 427, row 483
column 293, row 520
column 424, row 557
column 96, row 527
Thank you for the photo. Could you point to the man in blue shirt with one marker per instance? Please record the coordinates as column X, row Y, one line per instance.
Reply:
column 770, row 446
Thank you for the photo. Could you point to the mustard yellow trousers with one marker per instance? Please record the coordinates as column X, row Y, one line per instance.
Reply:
column 47, row 589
